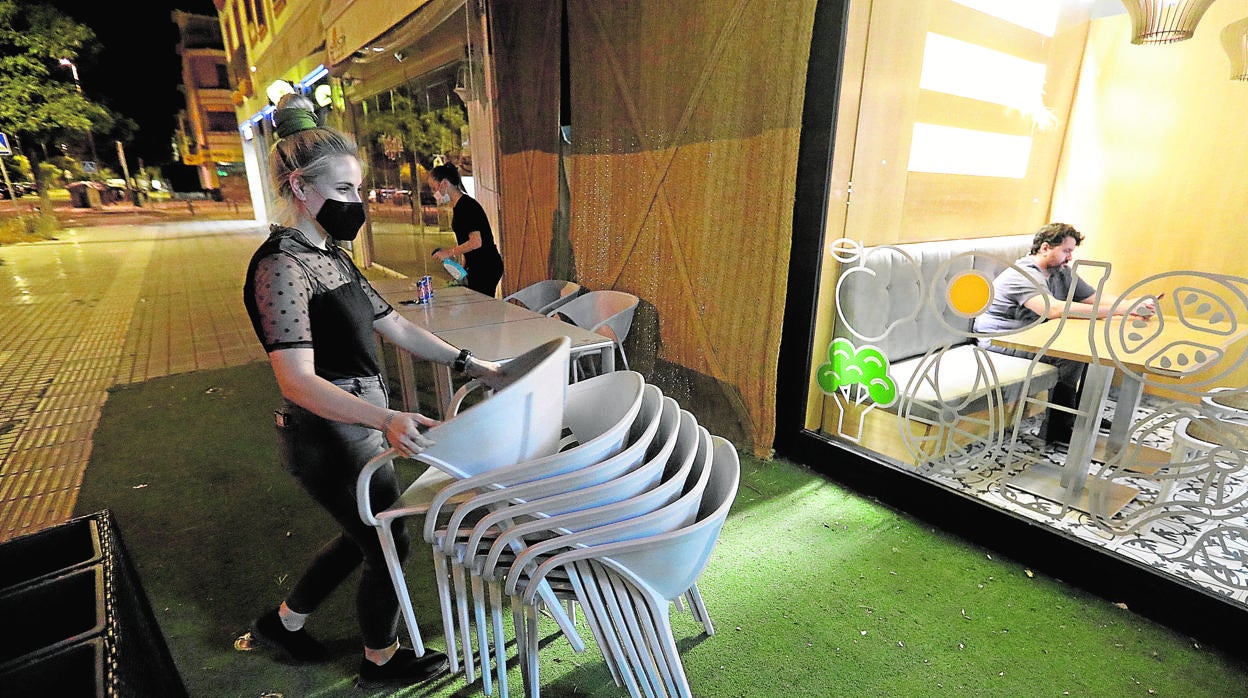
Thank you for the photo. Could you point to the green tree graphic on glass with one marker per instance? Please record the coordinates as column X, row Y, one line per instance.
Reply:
column 853, row 376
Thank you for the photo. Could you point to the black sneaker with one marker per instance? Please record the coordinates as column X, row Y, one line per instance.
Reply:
column 403, row 668
column 297, row 645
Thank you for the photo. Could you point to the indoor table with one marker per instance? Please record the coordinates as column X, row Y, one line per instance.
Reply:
column 1157, row 346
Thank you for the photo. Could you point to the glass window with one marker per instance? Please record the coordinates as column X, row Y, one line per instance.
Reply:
column 221, row 121
column 402, row 133
column 943, row 345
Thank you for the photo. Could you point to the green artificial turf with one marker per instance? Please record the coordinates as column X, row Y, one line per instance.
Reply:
column 814, row 590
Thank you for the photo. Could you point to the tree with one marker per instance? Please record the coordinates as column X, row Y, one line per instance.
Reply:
column 38, row 104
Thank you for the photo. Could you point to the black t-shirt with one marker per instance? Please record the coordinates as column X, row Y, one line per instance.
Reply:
column 298, row 295
column 467, row 217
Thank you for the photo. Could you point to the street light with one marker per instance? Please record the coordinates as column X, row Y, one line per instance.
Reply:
column 73, row 68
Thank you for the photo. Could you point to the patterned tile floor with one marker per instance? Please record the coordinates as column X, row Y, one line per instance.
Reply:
column 1198, row 534
column 98, row 307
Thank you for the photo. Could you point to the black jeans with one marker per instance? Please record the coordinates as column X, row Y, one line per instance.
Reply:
column 1058, row 424
column 326, row 457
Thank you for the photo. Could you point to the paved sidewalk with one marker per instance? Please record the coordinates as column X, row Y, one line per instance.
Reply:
column 98, row 307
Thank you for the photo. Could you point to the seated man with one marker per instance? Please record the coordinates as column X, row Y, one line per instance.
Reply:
column 1017, row 302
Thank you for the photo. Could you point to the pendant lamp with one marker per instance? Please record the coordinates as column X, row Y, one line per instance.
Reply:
column 1164, row 21
column 1235, row 42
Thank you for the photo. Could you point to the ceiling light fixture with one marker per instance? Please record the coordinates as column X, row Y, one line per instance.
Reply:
column 1235, row 42
column 1164, row 21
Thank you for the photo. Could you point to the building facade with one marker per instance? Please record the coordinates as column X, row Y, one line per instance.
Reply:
column 721, row 161
column 207, row 131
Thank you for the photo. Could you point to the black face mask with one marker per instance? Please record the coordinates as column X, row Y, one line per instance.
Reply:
column 341, row 219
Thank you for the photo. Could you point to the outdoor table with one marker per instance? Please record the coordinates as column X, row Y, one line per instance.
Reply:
column 1158, row 346
column 492, row 329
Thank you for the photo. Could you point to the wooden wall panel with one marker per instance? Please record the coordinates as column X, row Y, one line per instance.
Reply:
column 685, row 123
column 892, row 205
column 526, row 42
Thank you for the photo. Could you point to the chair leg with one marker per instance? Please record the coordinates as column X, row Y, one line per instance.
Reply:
column 395, row 567
column 624, row 631
column 1181, row 452
column 461, row 610
column 636, row 605
column 500, row 640
column 699, row 608
column 442, row 578
column 483, row 644
column 532, row 638
column 609, row 640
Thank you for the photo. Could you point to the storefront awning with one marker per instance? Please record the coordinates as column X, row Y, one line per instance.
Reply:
column 302, row 35
column 356, row 29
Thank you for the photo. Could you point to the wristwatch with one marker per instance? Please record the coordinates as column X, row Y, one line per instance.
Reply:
column 460, row 364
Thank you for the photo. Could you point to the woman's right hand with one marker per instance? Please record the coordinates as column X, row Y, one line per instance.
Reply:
column 402, row 432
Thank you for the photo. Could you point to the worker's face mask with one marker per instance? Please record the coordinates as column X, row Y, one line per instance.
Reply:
column 341, row 219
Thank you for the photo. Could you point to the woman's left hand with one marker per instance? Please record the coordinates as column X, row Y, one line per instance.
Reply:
column 403, row 432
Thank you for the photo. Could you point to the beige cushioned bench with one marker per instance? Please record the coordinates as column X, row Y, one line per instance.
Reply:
column 896, row 298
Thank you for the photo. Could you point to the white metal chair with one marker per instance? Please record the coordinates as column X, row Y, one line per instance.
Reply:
column 545, row 296
column 523, row 420
column 631, row 582
column 1210, row 450
column 1228, row 403
column 609, row 313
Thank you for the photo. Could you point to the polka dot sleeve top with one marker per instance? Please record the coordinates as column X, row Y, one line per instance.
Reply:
column 298, row 295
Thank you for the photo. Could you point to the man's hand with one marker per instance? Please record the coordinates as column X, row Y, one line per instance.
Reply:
column 1145, row 307
column 442, row 255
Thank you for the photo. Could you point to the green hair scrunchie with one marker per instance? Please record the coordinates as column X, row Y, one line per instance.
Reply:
column 292, row 120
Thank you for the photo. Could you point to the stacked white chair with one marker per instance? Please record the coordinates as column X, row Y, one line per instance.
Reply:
column 633, row 581
column 674, row 509
column 561, row 525
column 524, row 420
column 599, row 413
column 496, row 510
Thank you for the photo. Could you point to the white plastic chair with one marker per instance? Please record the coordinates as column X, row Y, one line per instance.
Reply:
column 501, row 508
column 523, row 420
column 655, row 441
column 544, row 296
column 633, row 581
column 609, row 313
column 673, row 502
column 599, row 413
